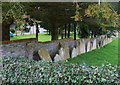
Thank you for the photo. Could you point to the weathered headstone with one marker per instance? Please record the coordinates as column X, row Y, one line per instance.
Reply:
column 110, row 40
column 98, row 42
column 57, row 58
column 88, row 46
column 74, row 52
column 43, row 53
column 62, row 53
column 94, row 44
column 82, row 47
column 78, row 50
column 78, row 47
column 66, row 51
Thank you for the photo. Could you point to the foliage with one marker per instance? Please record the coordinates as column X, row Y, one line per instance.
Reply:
column 12, row 9
column 77, row 16
column 12, row 30
column 84, row 30
column 105, row 16
column 22, row 70
column 52, row 15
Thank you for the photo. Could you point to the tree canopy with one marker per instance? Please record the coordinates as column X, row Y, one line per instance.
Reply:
column 53, row 15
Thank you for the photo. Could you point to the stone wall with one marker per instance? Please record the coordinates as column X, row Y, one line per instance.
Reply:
column 18, row 48
column 56, row 50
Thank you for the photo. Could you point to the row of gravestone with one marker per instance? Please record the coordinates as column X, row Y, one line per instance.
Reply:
column 80, row 46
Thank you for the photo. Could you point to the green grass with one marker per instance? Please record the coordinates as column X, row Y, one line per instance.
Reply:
column 22, row 37
column 107, row 54
column 42, row 37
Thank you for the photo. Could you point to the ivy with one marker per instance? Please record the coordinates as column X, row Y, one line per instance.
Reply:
column 22, row 70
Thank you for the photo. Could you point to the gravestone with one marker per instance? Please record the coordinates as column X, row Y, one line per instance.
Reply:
column 105, row 41
column 61, row 53
column 98, row 42
column 43, row 53
column 57, row 58
column 110, row 40
column 78, row 50
column 82, row 47
column 66, row 51
column 88, row 46
column 74, row 52
column 94, row 44
column 78, row 47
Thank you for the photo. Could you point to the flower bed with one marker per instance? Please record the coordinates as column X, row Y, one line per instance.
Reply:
column 22, row 70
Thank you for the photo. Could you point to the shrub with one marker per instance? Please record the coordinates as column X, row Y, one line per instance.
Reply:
column 22, row 70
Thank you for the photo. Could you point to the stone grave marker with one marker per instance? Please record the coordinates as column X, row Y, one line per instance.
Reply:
column 61, row 53
column 43, row 53
column 105, row 41
column 74, row 52
column 110, row 40
column 88, row 46
column 78, row 47
column 57, row 58
column 82, row 47
column 78, row 50
column 66, row 51
column 98, row 42
column 94, row 44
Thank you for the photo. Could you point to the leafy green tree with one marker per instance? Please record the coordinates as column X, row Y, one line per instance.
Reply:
column 11, row 12
column 52, row 15
column 105, row 17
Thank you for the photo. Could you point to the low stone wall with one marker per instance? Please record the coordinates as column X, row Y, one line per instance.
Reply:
column 56, row 50
column 18, row 48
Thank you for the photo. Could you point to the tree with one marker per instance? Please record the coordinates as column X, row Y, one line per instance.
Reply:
column 77, row 18
column 11, row 12
column 105, row 17
column 54, row 14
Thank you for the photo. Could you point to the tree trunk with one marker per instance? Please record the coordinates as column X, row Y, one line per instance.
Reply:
column 79, row 30
column 5, row 31
column 65, row 30
column 37, row 31
column 0, row 32
column 69, row 30
column 54, row 32
column 49, row 32
column 61, row 35
column 74, row 31
column 5, row 28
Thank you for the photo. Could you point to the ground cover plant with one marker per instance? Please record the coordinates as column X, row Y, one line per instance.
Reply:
column 22, row 70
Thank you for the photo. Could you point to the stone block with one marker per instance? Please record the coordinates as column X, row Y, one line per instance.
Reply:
column 44, row 55
column 74, row 52
column 82, row 47
column 57, row 58
column 94, row 44
column 88, row 46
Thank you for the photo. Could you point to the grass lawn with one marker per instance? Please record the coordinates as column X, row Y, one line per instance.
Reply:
column 42, row 37
column 108, row 53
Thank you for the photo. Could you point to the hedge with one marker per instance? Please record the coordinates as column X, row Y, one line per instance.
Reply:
column 22, row 70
